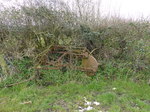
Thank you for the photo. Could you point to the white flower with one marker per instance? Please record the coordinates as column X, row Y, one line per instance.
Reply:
column 80, row 107
column 89, row 108
column 114, row 88
column 96, row 103
column 82, row 110
column 87, row 102
column 100, row 111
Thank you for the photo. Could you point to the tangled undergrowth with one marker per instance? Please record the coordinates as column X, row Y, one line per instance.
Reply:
column 122, row 46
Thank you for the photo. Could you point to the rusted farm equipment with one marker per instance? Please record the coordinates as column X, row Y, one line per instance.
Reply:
column 64, row 57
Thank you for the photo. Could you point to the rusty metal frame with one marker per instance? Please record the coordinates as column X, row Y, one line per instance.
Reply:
column 63, row 51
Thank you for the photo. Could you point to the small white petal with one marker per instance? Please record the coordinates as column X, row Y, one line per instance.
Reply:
column 80, row 107
column 100, row 111
column 81, row 110
column 114, row 88
column 89, row 108
column 96, row 103
column 88, row 103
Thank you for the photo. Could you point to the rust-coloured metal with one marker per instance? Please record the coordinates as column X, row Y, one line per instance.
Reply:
column 77, row 58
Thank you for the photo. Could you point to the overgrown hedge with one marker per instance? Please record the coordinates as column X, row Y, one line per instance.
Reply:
column 28, row 29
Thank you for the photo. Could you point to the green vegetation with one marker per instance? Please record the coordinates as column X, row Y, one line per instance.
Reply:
column 117, row 90
column 127, row 97
column 122, row 49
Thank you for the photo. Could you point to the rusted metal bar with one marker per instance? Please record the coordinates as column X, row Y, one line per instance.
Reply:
column 69, row 55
